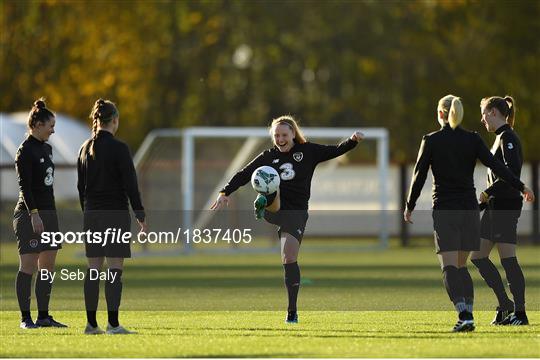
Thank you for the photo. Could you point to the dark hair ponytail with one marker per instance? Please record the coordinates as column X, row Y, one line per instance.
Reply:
column 511, row 110
column 103, row 112
column 39, row 113
column 505, row 106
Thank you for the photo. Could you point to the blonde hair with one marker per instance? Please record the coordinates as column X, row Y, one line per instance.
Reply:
column 452, row 108
column 288, row 120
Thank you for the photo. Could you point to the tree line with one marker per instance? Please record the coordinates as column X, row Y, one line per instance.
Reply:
column 233, row 63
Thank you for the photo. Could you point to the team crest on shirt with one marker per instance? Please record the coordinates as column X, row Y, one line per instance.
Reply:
column 298, row 156
column 49, row 178
column 33, row 243
column 510, row 146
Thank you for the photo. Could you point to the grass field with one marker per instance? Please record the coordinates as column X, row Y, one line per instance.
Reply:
column 352, row 304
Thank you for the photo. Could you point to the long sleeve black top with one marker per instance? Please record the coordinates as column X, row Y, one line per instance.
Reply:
column 452, row 154
column 35, row 172
column 295, row 167
column 106, row 181
column 507, row 149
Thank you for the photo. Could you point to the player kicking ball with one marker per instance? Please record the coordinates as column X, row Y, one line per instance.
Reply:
column 295, row 160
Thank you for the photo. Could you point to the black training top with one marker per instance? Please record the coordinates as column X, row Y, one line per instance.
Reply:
column 35, row 171
column 108, row 180
column 295, row 167
column 506, row 148
column 452, row 155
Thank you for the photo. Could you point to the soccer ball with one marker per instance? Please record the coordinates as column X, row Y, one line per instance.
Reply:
column 265, row 180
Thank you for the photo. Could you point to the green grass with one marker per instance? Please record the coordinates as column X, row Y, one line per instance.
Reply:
column 264, row 334
column 352, row 304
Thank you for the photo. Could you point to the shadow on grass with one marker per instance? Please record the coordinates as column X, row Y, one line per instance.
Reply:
column 269, row 276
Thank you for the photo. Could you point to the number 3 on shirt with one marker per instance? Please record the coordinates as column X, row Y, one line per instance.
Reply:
column 287, row 172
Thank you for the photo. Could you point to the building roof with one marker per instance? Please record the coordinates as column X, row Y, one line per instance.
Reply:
column 66, row 141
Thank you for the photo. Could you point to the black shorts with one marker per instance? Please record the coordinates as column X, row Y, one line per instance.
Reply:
column 28, row 242
column 500, row 219
column 456, row 226
column 292, row 222
column 98, row 221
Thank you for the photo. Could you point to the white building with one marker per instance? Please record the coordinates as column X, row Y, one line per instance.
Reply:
column 66, row 141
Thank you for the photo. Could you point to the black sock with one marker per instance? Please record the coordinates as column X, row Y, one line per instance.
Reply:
column 91, row 298
column 516, row 282
column 468, row 288
column 43, row 294
column 270, row 198
column 465, row 315
column 493, row 279
column 292, row 282
column 454, row 287
column 113, row 295
column 23, row 287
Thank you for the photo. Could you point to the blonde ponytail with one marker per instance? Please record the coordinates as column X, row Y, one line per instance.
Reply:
column 452, row 109
column 455, row 115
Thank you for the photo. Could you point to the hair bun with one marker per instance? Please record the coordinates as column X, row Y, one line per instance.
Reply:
column 40, row 104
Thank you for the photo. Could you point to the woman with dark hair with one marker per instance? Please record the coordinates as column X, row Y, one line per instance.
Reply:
column 452, row 153
column 295, row 160
column 503, row 208
column 35, row 213
column 106, row 181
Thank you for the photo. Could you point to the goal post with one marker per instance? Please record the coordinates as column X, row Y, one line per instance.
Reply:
column 254, row 137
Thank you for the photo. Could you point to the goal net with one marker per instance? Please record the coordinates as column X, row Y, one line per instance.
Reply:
column 181, row 172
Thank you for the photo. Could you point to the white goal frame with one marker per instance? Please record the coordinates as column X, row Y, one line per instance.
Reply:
column 189, row 135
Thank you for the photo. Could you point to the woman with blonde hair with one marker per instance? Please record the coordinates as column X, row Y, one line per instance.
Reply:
column 295, row 160
column 451, row 152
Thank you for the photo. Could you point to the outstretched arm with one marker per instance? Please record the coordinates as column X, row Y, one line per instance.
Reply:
column 239, row 179
column 327, row 152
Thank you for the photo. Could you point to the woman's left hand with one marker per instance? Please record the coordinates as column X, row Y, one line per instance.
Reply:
column 407, row 215
column 357, row 136
column 528, row 194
